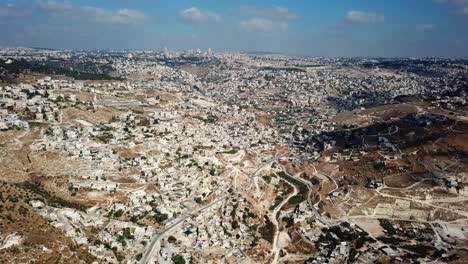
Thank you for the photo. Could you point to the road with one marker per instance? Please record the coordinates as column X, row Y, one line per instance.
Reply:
column 254, row 174
column 422, row 202
column 409, row 187
column 154, row 244
column 309, row 195
column 272, row 215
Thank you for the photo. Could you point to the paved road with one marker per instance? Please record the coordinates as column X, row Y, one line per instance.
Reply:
column 154, row 244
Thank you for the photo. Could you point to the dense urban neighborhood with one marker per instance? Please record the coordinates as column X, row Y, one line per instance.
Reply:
column 202, row 157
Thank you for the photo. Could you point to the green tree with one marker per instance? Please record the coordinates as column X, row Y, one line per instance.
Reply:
column 178, row 259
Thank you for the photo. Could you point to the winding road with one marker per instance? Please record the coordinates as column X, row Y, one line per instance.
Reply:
column 154, row 245
column 273, row 218
column 273, row 214
column 155, row 241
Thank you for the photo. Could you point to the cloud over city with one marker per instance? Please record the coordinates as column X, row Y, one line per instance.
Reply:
column 364, row 17
column 197, row 16
column 265, row 19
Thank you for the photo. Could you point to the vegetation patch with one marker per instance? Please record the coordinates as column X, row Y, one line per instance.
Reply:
column 50, row 199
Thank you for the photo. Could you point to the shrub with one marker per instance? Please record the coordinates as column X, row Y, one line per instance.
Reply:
column 178, row 259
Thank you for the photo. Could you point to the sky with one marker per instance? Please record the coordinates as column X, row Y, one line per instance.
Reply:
column 331, row 28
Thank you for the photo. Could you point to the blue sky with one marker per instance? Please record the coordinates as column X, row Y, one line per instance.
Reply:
column 334, row 28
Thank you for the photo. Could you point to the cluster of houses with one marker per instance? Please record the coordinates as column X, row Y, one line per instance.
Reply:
column 165, row 157
column 176, row 156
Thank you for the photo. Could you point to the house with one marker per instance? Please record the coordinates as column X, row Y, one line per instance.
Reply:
column 3, row 126
column 36, row 204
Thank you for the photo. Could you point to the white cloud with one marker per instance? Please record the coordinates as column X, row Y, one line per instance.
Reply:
column 130, row 14
column 461, row 5
column 263, row 25
column 90, row 13
column 456, row 2
column 271, row 12
column 270, row 19
column 197, row 16
column 364, row 17
column 425, row 27
column 122, row 16
column 464, row 11
column 10, row 10
column 55, row 7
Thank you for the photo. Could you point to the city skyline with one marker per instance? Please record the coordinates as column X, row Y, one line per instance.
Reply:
column 335, row 28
